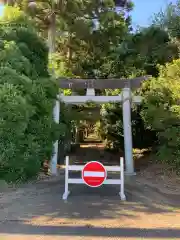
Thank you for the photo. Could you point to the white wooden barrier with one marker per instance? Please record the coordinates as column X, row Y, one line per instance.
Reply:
column 119, row 181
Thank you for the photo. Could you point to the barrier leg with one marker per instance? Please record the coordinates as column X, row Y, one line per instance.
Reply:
column 66, row 192
column 121, row 193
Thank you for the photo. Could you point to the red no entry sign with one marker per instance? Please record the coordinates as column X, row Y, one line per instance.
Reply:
column 94, row 174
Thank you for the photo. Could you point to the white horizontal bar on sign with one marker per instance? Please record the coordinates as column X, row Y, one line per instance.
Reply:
column 94, row 174
column 112, row 181
column 76, row 180
column 84, row 99
column 75, row 167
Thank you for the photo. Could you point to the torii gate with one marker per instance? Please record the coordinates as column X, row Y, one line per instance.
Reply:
column 126, row 97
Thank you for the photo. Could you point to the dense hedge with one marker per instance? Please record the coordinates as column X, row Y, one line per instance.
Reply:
column 27, row 96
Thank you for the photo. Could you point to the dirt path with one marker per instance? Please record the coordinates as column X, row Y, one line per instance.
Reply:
column 94, row 152
column 37, row 211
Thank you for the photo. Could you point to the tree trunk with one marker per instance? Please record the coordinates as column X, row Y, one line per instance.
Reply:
column 52, row 34
column 8, row 2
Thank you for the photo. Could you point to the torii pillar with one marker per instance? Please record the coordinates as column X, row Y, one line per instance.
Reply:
column 56, row 115
column 128, row 146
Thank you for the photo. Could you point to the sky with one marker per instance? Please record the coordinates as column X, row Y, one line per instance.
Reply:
column 1, row 8
column 143, row 10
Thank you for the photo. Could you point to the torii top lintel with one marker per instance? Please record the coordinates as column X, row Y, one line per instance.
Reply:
column 77, row 83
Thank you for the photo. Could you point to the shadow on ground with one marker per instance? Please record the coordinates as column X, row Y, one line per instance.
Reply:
column 27, row 229
column 45, row 198
column 88, row 211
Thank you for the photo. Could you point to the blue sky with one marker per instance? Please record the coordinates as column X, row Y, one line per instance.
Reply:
column 1, row 8
column 143, row 10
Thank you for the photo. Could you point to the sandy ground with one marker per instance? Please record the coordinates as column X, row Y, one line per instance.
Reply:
column 36, row 211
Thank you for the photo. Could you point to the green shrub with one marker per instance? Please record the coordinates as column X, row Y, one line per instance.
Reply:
column 14, row 118
column 161, row 112
column 27, row 97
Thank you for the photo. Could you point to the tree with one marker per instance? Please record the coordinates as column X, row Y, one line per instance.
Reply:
column 77, row 27
column 140, row 53
column 169, row 19
column 143, row 51
column 161, row 112
column 8, row 2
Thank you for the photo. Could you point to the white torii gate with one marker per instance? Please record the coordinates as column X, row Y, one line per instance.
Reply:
column 126, row 97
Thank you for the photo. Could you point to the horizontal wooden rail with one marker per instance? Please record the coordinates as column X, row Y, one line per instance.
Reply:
column 97, row 99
